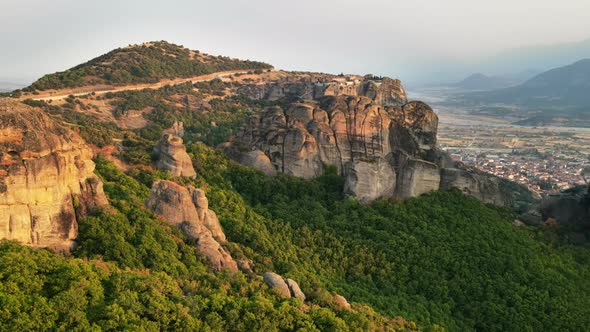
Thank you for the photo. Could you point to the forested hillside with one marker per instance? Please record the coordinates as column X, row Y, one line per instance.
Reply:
column 145, row 63
column 443, row 260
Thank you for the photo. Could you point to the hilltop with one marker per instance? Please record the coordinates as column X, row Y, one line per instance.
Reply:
column 143, row 63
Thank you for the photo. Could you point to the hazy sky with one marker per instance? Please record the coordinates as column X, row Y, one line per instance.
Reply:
column 409, row 39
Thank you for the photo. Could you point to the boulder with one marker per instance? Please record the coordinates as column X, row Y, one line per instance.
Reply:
column 47, row 179
column 171, row 156
column 277, row 284
column 295, row 290
column 341, row 302
column 187, row 208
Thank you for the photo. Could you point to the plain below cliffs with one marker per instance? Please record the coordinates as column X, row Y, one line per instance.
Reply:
column 383, row 148
column 187, row 208
column 46, row 179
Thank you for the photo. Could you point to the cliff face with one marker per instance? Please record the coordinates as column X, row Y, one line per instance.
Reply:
column 385, row 91
column 188, row 209
column 46, row 178
column 571, row 206
column 383, row 145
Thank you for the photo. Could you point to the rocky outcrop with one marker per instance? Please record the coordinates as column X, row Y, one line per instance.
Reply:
column 486, row 188
column 341, row 302
column 188, row 209
column 171, row 156
column 277, row 284
column 385, row 91
column 383, row 145
column 570, row 207
column 46, row 179
column 295, row 290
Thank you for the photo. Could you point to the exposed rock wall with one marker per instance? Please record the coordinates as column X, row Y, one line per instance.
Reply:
column 384, row 149
column 46, row 179
column 385, row 91
column 171, row 156
column 188, row 209
column 369, row 180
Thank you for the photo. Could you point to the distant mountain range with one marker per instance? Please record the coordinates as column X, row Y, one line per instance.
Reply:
column 563, row 87
column 483, row 82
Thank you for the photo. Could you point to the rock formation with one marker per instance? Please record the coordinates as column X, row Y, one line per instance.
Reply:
column 385, row 91
column 187, row 208
column 295, row 290
column 286, row 288
column 341, row 302
column 277, row 284
column 570, row 207
column 46, row 179
column 383, row 145
column 171, row 156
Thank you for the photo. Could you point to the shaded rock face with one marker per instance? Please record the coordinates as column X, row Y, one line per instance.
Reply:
column 171, row 156
column 46, row 179
column 277, row 284
column 480, row 185
column 188, row 209
column 570, row 207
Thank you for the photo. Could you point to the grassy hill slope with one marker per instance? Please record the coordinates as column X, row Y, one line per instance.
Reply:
column 144, row 63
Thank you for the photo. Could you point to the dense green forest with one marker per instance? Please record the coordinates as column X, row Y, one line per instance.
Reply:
column 146, row 63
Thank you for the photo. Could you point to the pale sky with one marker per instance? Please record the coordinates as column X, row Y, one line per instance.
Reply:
column 413, row 40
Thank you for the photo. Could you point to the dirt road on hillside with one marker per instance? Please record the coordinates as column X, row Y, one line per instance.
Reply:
column 99, row 90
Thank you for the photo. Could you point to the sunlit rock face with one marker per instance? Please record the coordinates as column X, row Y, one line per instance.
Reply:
column 384, row 145
column 46, row 179
column 187, row 208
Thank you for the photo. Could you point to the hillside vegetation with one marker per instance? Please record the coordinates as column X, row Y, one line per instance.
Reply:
column 439, row 262
column 144, row 63
column 443, row 260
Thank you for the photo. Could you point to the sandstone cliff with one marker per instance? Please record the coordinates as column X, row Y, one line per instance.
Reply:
column 171, row 156
column 383, row 145
column 46, row 179
column 188, row 209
